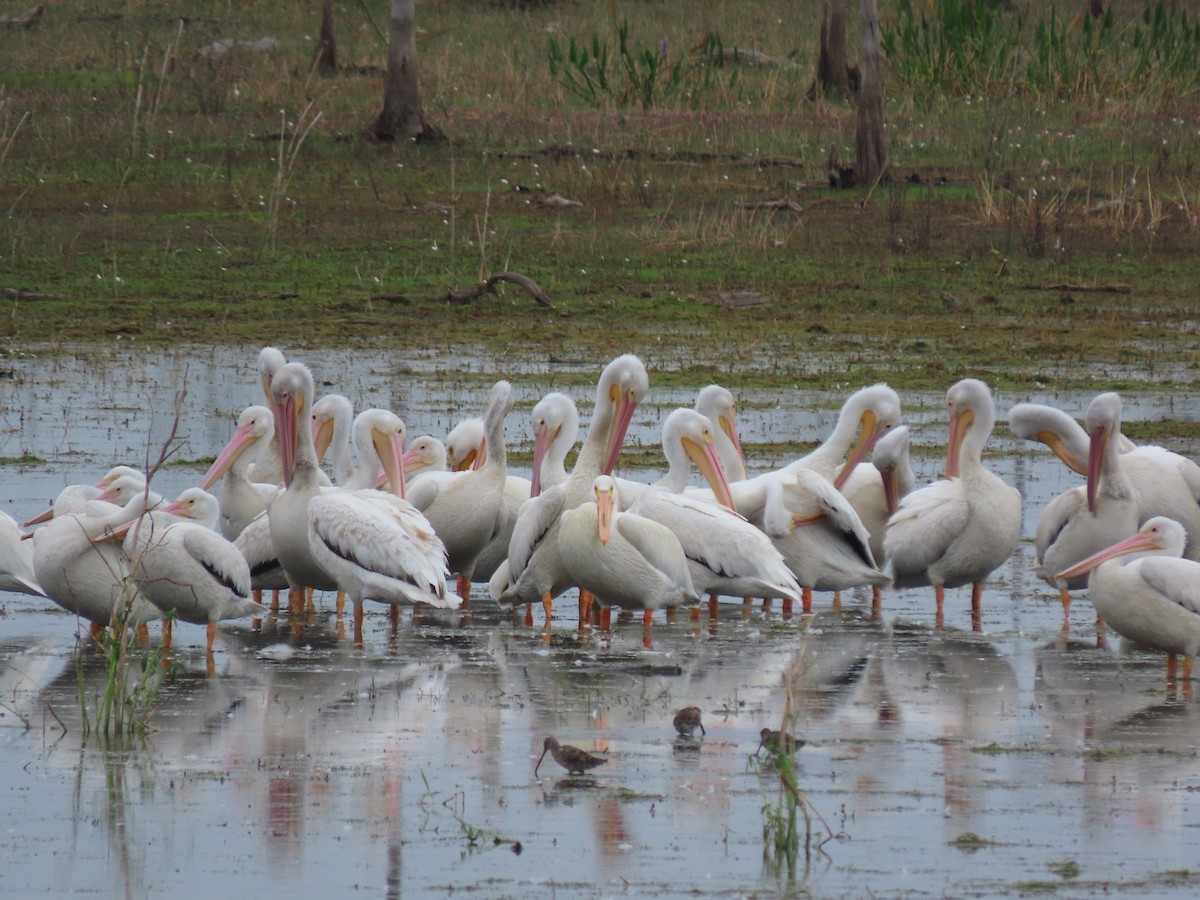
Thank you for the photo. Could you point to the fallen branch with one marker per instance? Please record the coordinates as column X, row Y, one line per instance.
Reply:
column 18, row 294
column 24, row 20
column 1083, row 288
column 489, row 287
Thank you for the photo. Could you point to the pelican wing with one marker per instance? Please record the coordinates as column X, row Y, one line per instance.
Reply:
column 425, row 490
column 1056, row 516
column 256, row 547
column 381, row 534
column 1175, row 579
column 838, row 512
column 218, row 557
column 715, row 537
column 659, row 547
column 534, row 522
column 924, row 527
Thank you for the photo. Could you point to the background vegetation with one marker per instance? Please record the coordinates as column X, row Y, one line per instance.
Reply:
column 1043, row 212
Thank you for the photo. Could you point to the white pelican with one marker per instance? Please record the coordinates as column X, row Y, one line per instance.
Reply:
column 624, row 559
column 72, row 498
column 957, row 531
column 184, row 567
column 555, row 428
column 378, row 546
column 1085, row 520
column 533, row 569
column 85, row 578
column 821, row 537
column 332, row 422
column 716, row 403
column 868, row 413
column 725, row 553
column 467, row 509
column 266, row 469
column 466, row 445
column 241, row 499
column 556, row 424
column 424, row 455
column 1167, row 484
column 16, row 559
column 875, row 491
column 1146, row 593
column 292, row 390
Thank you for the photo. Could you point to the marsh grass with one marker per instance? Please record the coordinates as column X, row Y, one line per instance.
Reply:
column 125, row 701
column 131, row 153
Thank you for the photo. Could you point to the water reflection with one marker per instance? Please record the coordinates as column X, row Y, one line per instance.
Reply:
column 385, row 767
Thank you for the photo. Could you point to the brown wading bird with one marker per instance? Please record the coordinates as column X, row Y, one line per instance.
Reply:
column 574, row 760
column 687, row 720
column 778, row 741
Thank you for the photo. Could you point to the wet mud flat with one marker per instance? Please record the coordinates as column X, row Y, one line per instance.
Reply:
column 1010, row 761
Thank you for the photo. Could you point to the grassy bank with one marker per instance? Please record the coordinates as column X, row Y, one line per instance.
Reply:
column 1033, row 229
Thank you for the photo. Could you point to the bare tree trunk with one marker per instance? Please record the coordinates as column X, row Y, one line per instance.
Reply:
column 402, row 114
column 1096, row 8
column 870, row 142
column 325, row 54
column 839, row 70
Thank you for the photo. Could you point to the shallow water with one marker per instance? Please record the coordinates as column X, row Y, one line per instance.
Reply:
column 306, row 764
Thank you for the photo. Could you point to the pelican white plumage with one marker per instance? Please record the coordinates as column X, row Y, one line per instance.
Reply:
column 533, row 569
column 72, row 498
column 369, row 544
column 16, row 559
column 424, row 455
column 623, row 558
column 287, row 516
column 875, row 491
column 1146, row 593
column 184, row 567
column 1167, row 483
column 1084, row 520
column 958, row 530
column 86, row 578
column 241, row 499
column 821, row 537
column 555, row 428
column 332, row 423
column 726, row 555
column 266, row 469
column 467, row 509
column 377, row 545
column 466, row 445
column 716, row 403
column 868, row 413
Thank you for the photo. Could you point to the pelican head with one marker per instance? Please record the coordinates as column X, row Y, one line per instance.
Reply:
column 872, row 411
column 1159, row 536
column 693, row 432
column 623, row 385
column 254, row 424
column 970, row 408
column 291, row 394
column 1103, row 424
column 465, row 445
column 555, row 421
column 604, row 490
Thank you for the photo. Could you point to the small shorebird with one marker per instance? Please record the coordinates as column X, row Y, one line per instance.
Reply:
column 687, row 720
column 574, row 760
column 778, row 742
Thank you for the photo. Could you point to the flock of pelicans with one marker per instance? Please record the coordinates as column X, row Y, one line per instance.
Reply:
column 394, row 524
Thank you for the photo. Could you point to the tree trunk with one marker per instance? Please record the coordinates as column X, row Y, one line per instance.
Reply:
column 325, row 54
column 839, row 70
column 402, row 115
column 870, row 142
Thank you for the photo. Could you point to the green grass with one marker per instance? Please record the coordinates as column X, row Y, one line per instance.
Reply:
column 138, row 193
